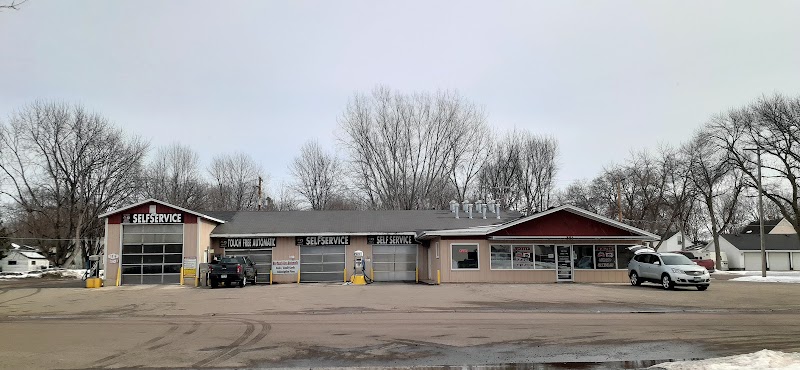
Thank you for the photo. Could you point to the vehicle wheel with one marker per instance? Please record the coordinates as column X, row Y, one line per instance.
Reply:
column 243, row 282
column 635, row 279
column 666, row 283
column 702, row 287
column 255, row 279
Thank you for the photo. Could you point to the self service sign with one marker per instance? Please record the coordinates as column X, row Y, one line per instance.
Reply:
column 152, row 218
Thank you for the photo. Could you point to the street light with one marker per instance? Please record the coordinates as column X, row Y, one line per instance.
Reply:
column 760, row 214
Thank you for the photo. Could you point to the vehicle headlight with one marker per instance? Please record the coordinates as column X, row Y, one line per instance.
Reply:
column 677, row 271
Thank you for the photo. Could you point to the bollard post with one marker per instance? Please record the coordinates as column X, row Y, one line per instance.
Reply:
column 438, row 277
column 181, row 276
column 270, row 277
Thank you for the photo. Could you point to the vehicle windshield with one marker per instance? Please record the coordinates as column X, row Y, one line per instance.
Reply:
column 676, row 260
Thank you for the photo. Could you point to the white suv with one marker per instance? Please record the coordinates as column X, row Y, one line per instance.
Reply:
column 667, row 269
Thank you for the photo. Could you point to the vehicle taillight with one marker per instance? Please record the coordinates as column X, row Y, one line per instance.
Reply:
column 239, row 269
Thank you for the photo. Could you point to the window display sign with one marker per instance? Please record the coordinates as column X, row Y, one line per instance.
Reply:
column 523, row 257
column 284, row 267
column 606, row 256
column 247, row 243
column 390, row 239
column 322, row 240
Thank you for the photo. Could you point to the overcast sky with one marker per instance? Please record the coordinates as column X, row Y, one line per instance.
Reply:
column 603, row 77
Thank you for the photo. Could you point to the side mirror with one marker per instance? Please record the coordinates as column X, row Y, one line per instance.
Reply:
column 657, row 263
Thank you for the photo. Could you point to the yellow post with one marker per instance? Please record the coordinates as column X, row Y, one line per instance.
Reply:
column 416, row 274
column 372, row 274
column 270, row 277
column 438, row 277
column 181, row 275
column 119, row 274
column 298, row 276
column 197, row 281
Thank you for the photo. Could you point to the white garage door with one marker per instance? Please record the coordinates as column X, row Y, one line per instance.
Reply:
column 322, row 263
column 778, row 261
column 752, row 261
column 394, row 262
column 796, row 260
column 261, row 257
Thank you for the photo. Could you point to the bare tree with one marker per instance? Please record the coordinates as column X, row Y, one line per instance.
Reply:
column 771, row 125
column 284, row 200
column 235, row 180
column 318, row 176
column 13, row 5
column 718, row 184
column 403, row 147
column 66, row 166
column 173, row 175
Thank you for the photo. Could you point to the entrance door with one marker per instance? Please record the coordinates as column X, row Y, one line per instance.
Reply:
column 394, row 262
column 564, row 261
column 322, row 263
column 261, row 257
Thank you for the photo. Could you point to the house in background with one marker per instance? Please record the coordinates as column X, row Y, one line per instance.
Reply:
column 23, row 259
column 671, row 242
column 744, row 251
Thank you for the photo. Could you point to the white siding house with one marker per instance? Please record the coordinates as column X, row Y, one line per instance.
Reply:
column 744, row 251
column 671, row 242
column 23, row 261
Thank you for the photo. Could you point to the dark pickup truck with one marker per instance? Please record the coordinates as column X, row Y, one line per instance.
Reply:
column 232, row 269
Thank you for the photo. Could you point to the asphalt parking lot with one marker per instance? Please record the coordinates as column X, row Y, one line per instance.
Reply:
column 54, row 324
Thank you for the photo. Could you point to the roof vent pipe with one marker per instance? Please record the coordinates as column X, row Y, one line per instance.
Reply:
column 483, row 210
column 491, row 206
column 456, row 208
column 469, row 209
column 497, row 208
column 453, row 206
column 464, row 205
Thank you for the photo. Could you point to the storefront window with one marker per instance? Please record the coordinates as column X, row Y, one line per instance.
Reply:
column 605, row 255
column 624, row 255
column 545, row 256
column 501, row 257
column 523, row 257
column 464, row 256
column 583, row 257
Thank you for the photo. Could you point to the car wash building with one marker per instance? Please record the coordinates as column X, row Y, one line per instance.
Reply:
column 153, row 242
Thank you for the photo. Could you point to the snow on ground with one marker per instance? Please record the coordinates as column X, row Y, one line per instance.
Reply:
column 62, row 273
column 763, row 360
column 772, row 276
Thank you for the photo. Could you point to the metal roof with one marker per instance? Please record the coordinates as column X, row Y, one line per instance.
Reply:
column 244, row 223
column 772, row 242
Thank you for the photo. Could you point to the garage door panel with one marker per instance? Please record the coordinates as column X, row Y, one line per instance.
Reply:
column 322, row 263
column 778, row 261
column 383, row 257
column 752, row 261
column 319, row 277
column 261, row 257
column 796, row 260
column 394, row 262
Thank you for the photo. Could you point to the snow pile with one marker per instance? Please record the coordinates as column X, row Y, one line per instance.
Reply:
column 13, row 275
column 763, row 360
column 57, row 273
column 769, row 279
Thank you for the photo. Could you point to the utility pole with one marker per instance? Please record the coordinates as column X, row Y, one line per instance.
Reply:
column 761, row 214
column 260, row 181
column 761, row 217
column 619, row 202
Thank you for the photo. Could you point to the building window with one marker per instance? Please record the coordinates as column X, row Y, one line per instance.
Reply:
column 33, row 263
column 501, row 257
column 624, row 255
column 437, row 250
column 464, row 256
column 545, row 256
column 12, row 262
column 584, row 258
column 605, row 256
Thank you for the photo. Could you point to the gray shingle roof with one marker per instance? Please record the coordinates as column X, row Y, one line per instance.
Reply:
column 772, row 242
column 313, row 222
